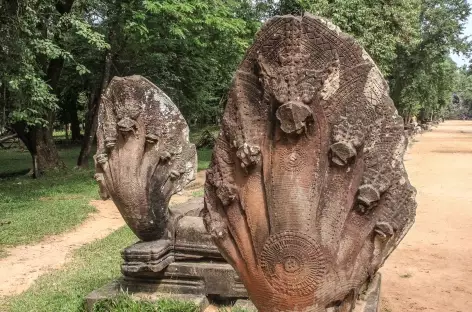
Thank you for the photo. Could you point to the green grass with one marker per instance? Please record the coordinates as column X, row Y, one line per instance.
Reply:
column 196, row 133
column 14, row 162
column 204, row 158
column 33, row 208
column 93, row 266
column 198, row 193
column 204, row 154
column 126, row 304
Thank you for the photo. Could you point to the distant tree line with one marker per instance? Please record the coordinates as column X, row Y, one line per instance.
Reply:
column 57, row 56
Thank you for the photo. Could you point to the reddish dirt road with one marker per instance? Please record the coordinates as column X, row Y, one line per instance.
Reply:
column 432, row 268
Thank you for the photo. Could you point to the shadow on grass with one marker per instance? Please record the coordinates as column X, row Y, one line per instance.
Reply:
column 14, row 174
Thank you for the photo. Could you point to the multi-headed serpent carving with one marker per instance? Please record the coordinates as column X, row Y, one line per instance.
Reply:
column 143, row 154
column 307, row 194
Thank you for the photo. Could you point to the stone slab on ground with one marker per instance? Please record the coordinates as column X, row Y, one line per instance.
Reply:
column 369, row 300
column 114, row 289
column 246, row 305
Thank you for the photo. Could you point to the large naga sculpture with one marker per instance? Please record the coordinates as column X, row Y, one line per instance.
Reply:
column 143, row 154
column 307, row 195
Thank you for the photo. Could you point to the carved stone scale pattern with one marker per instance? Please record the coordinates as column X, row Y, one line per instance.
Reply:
column 307, row 195
column 143, row 155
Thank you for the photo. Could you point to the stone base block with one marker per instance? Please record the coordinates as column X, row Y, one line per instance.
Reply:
column 246, row 305
column 369, row 300
column 189, row 277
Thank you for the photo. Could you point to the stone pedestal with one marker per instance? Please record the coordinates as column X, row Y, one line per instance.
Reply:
column 187, row 266
column 188, row 263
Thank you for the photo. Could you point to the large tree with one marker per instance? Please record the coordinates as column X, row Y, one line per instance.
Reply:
column 421, row 77
column 32, row 58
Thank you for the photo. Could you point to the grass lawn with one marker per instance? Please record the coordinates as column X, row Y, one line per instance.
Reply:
column 204, row 157
column 93, row 266
column 127, row 304
column 31, row 209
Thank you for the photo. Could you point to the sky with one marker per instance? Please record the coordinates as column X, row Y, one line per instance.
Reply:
column 460, row 59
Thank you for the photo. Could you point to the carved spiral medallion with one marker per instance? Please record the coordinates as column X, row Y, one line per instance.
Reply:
column 293, row 158
column 293, row 263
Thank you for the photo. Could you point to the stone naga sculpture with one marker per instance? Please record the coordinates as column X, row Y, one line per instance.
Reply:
column 307, row 195
column 143, row 154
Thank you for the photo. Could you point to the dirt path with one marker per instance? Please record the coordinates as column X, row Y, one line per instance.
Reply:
column 26, row 263
column 430, row 271
column 432, row 268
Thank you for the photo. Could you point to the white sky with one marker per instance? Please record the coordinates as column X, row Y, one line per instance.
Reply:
column 461, row 59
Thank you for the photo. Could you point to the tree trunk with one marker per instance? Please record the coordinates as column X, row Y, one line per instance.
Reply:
column 91, row 118
column 74, row 125
column 90, row 129
column 66, row 128
column 3, row 120
column 38, row 141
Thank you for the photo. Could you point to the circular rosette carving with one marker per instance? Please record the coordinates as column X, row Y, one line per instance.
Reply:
column 293, row 263
column 293, row 158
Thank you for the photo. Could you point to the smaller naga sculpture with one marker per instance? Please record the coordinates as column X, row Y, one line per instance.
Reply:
column 143, row 158
column 143, row 155
column 307, row 195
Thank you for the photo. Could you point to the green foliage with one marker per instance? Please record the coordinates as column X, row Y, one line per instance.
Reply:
column 461, row 105
column 33, row 33
column 422, row 77
column 191, row 49
column 194, row 48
